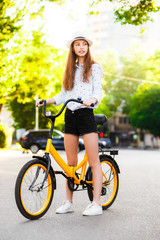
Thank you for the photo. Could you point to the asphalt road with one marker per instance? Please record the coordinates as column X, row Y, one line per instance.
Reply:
column 135, row 214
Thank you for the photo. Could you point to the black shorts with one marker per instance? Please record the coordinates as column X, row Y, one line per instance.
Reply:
column 80, row 122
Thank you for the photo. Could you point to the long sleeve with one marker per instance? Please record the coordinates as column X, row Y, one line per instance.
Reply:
column 60, row 97
column 97, row 81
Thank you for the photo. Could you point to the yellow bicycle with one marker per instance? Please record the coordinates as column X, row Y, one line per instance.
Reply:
column 36, row 180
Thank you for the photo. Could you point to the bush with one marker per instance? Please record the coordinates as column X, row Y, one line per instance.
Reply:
column 2, row 138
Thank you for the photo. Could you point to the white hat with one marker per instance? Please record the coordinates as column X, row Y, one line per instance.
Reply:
column 79, row 35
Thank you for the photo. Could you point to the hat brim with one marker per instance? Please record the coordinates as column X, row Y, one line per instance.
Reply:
column 79, row 38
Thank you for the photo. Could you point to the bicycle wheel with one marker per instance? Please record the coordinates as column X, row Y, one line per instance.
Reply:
column 32, row 201
column 110, row 183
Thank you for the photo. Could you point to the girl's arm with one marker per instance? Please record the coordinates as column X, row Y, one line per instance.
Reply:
column 97, row 75
column 48, row 101
column 57, row 100
column 97, row 86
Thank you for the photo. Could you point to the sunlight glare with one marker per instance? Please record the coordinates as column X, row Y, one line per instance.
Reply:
column 62, row 21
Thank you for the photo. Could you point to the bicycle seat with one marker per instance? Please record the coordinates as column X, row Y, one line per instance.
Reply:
column 100, row 118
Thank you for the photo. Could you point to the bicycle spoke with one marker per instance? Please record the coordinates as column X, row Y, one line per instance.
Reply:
column 108, row 182
column 34, row 198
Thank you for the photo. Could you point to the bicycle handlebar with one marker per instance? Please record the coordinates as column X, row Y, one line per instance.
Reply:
column 78, row 100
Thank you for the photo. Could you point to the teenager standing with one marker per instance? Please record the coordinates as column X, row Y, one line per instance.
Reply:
column 82, row 78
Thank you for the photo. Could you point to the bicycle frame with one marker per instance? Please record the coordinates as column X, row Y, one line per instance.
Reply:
column 69, row 170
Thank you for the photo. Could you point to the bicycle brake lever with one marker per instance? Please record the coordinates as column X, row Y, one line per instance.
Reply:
column 79, row 100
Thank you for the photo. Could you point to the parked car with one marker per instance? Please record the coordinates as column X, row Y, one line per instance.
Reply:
column 104, row 142
column 37, row 139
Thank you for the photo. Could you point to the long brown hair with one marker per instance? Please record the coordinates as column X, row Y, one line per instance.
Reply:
column 69, row 73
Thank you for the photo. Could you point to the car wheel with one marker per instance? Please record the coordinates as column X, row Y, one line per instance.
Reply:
column 34, row 148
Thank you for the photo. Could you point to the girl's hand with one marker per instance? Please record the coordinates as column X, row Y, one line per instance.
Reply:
column 38, row 104
column 88, row 102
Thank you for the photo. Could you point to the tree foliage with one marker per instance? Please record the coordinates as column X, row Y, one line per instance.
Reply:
column 109, row 63
column 8, row 22
column 133, row 68
column 38, row 73
column 23, row 115
column 33, row 69
column 120, row 84
column 39, row 70
column 29, row 67
column 2, row 137
column 9, row 19
column 153, row 67
column 12, row 13
column 145, row 109
column 133, row 12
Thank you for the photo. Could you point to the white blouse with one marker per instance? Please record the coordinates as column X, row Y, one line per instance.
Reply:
column 82, row 89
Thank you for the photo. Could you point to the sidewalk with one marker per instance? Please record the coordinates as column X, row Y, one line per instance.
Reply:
column 12, row 150
column 8, row 152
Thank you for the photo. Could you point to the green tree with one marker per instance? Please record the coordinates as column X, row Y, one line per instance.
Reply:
column 39, row 72
column 2, row 137
column 8, row 21
column 134, row 12
column 12, row 13
column 8, row 27
column 133, row 68
column 119, row 82
column 145, row 109
column 153, row 67
column 109, row 62
column 23, row 115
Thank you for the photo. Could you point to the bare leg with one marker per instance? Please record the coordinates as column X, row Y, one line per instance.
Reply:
column 91, row 146
column 71, row 147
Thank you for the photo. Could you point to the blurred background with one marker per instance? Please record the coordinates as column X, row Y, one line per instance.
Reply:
column 126, row 37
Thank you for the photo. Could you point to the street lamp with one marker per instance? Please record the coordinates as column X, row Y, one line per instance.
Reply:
column 36, row 115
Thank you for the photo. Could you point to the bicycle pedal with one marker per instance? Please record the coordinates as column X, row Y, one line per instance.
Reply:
column 104, row 191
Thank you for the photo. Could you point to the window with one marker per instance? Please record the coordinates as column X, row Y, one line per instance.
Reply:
column 123, row 120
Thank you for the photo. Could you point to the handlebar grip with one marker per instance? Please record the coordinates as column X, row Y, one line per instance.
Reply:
column 81, row 101
column 44, row 107
column 41, row 102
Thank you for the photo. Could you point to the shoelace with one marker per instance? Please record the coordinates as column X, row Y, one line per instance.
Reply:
column 92, row 204
column 66, row 202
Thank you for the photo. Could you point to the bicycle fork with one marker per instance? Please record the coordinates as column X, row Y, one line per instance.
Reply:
column 49, row 142
column 38, row 171
column 48, row 168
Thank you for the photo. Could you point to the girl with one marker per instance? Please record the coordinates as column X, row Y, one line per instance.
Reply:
column 82, row 78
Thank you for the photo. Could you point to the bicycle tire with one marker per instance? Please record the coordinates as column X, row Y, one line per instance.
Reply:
column 110, row 186
column 32, row 202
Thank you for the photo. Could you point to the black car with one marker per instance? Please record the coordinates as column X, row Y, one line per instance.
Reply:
column 105, row 142
column 36, row 140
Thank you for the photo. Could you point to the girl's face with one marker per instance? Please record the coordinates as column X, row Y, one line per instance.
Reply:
column 80, row 47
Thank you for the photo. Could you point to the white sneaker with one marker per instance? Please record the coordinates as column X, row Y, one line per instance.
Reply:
column 67, row 207
column 93, row 209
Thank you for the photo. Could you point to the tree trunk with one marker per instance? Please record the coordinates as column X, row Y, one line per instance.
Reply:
column 1, row 105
